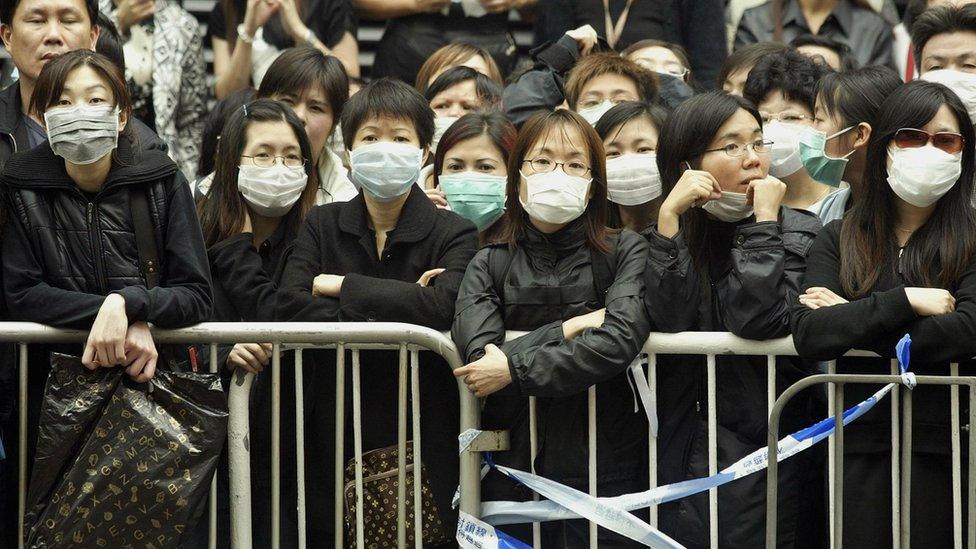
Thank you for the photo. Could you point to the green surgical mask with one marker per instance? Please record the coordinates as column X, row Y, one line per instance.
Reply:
column 823, row 168
column 477, row 197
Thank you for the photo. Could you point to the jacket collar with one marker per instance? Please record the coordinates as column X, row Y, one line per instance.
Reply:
column 562, row 242
column 842, row 13
column 40, row 168
column 415, row 223
column 10, row 112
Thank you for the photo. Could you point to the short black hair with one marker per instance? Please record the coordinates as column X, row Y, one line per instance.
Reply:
column 856, row 96
column 213, row 125
column 747, row 57
column 790, row 72
column 626, row 111
column 843, row 51
column 941, row 20
column 109, row 42
column 388, row 97
column 298, row 69
column 9, row 7
column 488, row 91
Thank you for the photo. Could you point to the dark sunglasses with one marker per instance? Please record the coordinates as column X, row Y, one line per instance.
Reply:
column 910, row 138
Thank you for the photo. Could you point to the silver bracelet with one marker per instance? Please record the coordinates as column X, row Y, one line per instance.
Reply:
column 243, row 35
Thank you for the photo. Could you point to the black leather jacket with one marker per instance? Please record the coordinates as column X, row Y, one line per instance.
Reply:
column 551, row 279
column 64, row 250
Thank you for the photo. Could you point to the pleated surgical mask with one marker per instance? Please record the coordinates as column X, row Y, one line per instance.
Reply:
column 82, row 134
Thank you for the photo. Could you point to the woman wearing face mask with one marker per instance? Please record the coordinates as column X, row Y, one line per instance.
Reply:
column 846, row 109
column 387, row 255
column 728, row 266
column 453, row 94
column 629, row 132
column 560, row 274
column 69, row 248
column 471, row 170
column 263, row 187
column 903, row 260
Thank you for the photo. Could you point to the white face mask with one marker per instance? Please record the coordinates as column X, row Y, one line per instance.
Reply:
column 730, row 208
column 385, row 170
column 440, row 126
column 923, row 175
column 554, row 197
column 271, row 191
column 594, row 113
column 784, row 157
column 82, row 134
column 633, row 179
column 963, row 83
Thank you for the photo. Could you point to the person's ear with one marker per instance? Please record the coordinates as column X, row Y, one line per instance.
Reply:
column 123, row 121
column 423, row 162
column 95, row 32
column 5, row 32
column 862, row 134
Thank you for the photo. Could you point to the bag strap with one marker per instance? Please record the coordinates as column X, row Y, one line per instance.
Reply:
column 499, row 264
column 602, row 274
column 145, row 237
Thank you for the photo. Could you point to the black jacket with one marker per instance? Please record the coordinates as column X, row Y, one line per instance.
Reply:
column 697, row 25
column 13, row 132
column 551, row 279
column 64, row 250
column 336, row 239
column 876, row 322
column 754, row 273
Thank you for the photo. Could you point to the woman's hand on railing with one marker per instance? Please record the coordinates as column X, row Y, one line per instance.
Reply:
column 428, row 276
column 578, row 324
column 817, row 297
column 250, row 357
column 140, row 353
column 327, row 285
column 488, row 374
column 107, row 338
column 930, row 301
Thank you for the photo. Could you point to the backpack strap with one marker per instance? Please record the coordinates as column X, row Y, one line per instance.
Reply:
column 145, row 237
column 499, row 264
column 602, row 274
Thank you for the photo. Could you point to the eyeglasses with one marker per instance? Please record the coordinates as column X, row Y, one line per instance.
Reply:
column 543, row 164
column 672, row 69
column 910, row 138
column 266, row 160
column 787, row 117
column 735, row 150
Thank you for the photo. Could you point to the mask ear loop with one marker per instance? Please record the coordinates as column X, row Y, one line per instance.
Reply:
column 838, row 134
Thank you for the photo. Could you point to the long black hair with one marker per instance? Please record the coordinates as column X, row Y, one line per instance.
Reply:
column 686, row 135
column 940, row 250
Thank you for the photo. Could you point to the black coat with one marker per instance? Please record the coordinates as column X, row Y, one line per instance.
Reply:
column 551, row 279
column 754, row 273
column 876, row 322
column 336, row 239
column 64, row 250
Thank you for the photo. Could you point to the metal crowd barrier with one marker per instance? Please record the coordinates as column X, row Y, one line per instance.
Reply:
column 405, row 338
column 408, row 340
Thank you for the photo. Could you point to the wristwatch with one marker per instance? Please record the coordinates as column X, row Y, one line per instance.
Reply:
column 243, row 35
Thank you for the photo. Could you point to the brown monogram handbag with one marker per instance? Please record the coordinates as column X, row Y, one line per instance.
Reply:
column 380, row 485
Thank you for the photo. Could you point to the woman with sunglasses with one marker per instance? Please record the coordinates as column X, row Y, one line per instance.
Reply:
column 903, row 260
column 724, row 256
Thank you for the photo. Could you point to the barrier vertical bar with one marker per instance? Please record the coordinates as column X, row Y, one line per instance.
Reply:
column 402, row 449
column 971, row 502
column 712, row 453
column 770, row 383
column 591, row 469
column 956, row 451
column 418, row 509
column 651, row 439
column 22, row 444
column 239, row 459
column 276, row 445
column 839, row 466
column 357, row 441
column 300, row 446
column 340, row 440
column 831, row 451
column 533, row 450
column 906, row 469
column 895, row 461
column 212, row 508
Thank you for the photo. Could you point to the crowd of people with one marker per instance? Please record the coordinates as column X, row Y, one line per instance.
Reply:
column 627, row 177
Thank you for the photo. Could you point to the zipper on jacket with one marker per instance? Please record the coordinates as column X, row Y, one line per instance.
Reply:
column 95, row 243
column 900, row 251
